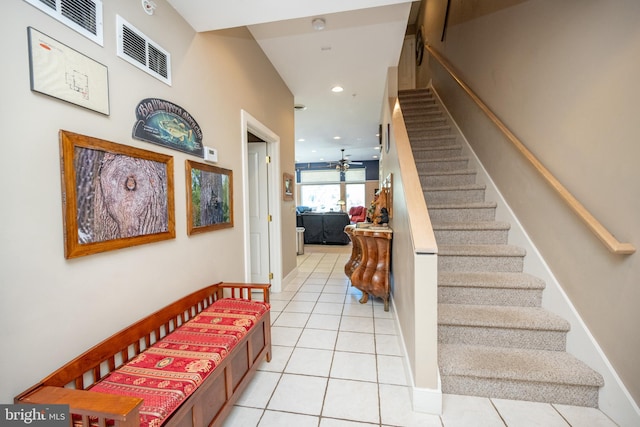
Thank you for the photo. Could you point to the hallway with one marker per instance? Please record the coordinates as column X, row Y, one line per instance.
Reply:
column 338, row 363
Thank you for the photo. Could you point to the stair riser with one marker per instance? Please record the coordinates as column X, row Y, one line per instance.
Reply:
column 471, row 237
column 447, row 180
column 490, row 296
column 453, row 196
column 461, row 215
column 441, row 165
column 442, row 153
column 510, row 264
column 521, row 390
column 499, row 337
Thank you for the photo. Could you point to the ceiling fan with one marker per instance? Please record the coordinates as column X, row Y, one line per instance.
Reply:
column 343, row 164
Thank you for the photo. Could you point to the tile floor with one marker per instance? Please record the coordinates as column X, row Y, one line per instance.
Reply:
column 337, row 362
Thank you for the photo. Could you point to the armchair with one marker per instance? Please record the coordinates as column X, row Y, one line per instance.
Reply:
column 357, row 214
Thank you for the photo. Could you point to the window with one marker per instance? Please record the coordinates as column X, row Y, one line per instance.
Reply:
column 320, row 197
column 355, row 195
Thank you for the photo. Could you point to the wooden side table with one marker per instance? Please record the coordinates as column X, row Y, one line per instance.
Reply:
column 368, row 267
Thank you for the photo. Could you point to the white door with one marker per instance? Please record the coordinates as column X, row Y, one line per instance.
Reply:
column 258, row 212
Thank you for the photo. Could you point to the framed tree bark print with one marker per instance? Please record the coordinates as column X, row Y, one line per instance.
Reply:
column 113, row 196
column 209, row 197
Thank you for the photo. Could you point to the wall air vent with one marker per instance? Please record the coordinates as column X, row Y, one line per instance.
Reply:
column 137, row 49
column 83, row 16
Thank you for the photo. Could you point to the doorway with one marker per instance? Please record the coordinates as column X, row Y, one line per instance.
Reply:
column 261, row 203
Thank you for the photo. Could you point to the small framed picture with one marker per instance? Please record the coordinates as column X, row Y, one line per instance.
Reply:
column 287, row 186
column 209, row 197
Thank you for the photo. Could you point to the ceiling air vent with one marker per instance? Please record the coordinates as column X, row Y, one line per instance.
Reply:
column 83, row 16
column 137, row 49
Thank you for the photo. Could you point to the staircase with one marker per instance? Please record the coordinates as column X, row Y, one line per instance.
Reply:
column 495, row 340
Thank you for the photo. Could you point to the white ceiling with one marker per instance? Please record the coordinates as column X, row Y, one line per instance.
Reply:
column 362, row 38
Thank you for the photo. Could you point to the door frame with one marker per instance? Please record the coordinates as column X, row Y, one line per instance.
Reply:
column 251, row 124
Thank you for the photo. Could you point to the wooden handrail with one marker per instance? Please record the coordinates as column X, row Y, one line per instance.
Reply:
column 592, row 223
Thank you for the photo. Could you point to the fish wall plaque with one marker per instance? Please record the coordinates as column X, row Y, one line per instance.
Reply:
column 165, row 123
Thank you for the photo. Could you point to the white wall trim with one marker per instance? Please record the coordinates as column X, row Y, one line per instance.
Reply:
column 250, row 124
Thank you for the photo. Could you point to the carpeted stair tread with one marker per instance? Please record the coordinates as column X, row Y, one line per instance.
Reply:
column 533, row 318
column 502, row 280
column 516, row 365
column 481, row 250
column 475, row 225
column 470, row 205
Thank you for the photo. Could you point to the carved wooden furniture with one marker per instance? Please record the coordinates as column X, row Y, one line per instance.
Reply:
column 206, row 406
column 368, row 267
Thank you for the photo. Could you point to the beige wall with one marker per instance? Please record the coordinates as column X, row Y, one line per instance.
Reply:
column 51, row 308
column 563, row 77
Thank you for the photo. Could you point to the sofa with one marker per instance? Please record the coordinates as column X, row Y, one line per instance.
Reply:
column 326, row 228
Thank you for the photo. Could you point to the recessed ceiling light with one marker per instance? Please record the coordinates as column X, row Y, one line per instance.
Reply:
column 375, row 157
column 337, row 89
column 376, row 148
column 300, row 139
column 337, row 137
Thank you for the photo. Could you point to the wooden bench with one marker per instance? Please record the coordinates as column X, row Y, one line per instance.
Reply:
column 207, row 405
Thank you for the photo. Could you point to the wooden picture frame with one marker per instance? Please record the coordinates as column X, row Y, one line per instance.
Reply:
column 209, row 197
column 287, row 187
column 387, row 186
column 64, row 73
column 113, row 196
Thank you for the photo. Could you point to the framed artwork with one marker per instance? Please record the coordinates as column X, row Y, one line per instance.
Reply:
column 287, row 187
column 63, row 73
column 387, row 185
column 209, row 197
column 113, row 196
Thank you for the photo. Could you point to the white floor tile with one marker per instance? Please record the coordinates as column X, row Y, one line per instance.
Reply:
column 328, row 308
column 388, row 344
column 466, row 411
column 396, row 409
column 281, row 296
column 316, row 288
column 296, row 320
column 352, row 400
column 356, row 342
column 299, row 307
column 306, row 296
column 356, row 324
column 299, row 393
column 259, row 390
column 285, row 336
column 332, row 422
column 354, row 366
column 528, row 414
column 282, row 419
column 318, row 338
column 329, row 297
column 279, row 358
column 310, row 361
column 324, row 321
column 580, row 416
column 391, row 370
column 245, row 417
column 385, row 326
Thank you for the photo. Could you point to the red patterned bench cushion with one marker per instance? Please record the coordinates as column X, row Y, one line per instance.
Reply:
column 170, row 370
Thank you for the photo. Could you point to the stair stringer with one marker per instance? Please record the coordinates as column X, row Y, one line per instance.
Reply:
column 614, row 398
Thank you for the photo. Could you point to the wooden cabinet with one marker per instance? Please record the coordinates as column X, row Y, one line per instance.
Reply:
column 368, row 267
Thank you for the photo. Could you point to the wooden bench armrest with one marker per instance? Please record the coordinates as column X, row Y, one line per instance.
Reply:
column 248, row 287
column 123, row 409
